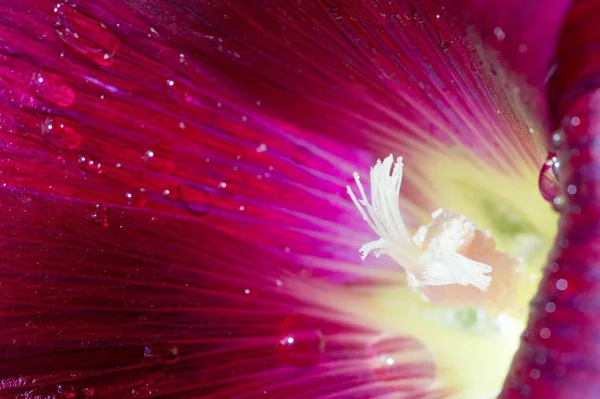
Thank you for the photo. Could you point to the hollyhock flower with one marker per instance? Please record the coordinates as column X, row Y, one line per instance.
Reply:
column 176, row 217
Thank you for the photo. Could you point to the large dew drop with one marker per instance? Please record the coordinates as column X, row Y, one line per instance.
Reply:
column 85, row 35
column 548, row 181
column 301, row 343
column 61, row 133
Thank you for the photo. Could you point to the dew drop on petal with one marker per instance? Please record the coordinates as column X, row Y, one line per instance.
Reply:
column 61, row 133
column 100, row 215
column 301, row 342
column 89, row 165
column 548, row 178
column 52, row 89
column 194, row 199
column 179, row 90
column 398, row 359
column 86, row 36
column 161, row 352
column 136, row 198
column 159, row 158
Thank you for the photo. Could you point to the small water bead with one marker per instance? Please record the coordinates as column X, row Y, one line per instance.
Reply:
column 159, row 158
column 61, row 133
column 52, row 89
column 301, row 342
column 136, row 198
column 195, row 199
column 86, row 36
column 179, row 89
column 100, row 215
column 161, row 352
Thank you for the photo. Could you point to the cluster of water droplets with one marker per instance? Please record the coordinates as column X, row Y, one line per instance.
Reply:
column 85, row 37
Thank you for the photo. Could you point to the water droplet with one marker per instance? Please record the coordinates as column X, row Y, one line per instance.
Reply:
column 195, row 199
column 179, row 89
column 161, row 352
column 301, row 343
column 61, row 133
column 52, row 89
column 444, row 45
column 548, row 178
column 562, row 284
column 159, row 158
column 396, row 359
column 100, row 215
column 89, row 165
column 86, row 36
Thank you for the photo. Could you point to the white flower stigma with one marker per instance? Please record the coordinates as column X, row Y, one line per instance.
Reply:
column 435, row 255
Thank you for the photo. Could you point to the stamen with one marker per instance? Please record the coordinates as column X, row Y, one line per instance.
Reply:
column 435, row 255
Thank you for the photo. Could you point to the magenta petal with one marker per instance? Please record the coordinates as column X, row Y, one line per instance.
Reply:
column 159, row 307
column 369, row 73
column 105, row 109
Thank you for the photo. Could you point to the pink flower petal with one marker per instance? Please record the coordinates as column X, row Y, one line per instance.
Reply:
column 161, row 307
